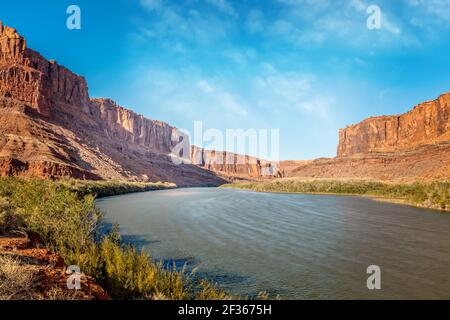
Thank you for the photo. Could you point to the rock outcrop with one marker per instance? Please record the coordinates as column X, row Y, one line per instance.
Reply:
column 50, row 127
column 28, row 77
column 408, row 147
column 234, row 165
column 426, row 124
column 124, row 125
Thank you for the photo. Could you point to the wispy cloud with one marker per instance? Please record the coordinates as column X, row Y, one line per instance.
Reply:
column 240, row 55
column 224, row 6
column 291, row 61
column 188, row 94
column 291, row 92
column 255, row 21
column 151, row 5
column 173, row 21
column 308, row 22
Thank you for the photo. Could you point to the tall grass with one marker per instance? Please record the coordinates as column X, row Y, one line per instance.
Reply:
column 435, row 195
column 65, row 217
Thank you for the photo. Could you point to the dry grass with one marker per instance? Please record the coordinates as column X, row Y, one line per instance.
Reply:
column 57, row 293
column 16, row 280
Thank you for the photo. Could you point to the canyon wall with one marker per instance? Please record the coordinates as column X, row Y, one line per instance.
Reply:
column 27, row 76
column 50, row 127
column 428, row 123
column 408, row 147
column 124, row 125
column 234, row 165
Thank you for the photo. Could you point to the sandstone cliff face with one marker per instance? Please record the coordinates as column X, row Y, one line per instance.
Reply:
column 409, row 147
column 27, row 76
column 124, row 125
column 232, row 164
column 427, row 123
column 49, row 127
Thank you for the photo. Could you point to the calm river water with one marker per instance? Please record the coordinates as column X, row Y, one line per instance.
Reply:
column 297, row 246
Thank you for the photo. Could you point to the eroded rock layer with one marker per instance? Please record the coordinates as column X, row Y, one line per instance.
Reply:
column 234, row 165
column 50, row 127
column 409, row 147
column 28, row 77
column 428, row 123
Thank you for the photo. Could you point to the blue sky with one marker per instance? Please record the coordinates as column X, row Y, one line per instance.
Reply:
column 306, row 67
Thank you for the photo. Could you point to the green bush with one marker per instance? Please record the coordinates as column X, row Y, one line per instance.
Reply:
column 7, row 219
column 62, row 218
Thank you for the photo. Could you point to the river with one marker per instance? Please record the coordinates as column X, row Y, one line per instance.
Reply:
column 297, row 246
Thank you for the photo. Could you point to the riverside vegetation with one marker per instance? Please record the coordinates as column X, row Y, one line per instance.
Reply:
column 64, row 215
column 433, row 195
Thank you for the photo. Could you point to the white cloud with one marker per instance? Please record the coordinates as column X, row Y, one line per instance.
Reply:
column 291, row 92
column 240, row 56
column 318, row 104
column 188, row 93
column 181, row 23
column 315, row 22
column 151, row 5
column 255, row 21
column 430, row 16
column 224, row 6
column 405, row 23
column 205, row 86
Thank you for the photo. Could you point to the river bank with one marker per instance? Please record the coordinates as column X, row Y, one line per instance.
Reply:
column 429, row 195
column 64, row 217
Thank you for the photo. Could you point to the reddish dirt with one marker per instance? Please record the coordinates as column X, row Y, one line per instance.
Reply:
column 49, row 270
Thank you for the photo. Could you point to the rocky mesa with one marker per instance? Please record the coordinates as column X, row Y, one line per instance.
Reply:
column 412, row 146
column 426, row 124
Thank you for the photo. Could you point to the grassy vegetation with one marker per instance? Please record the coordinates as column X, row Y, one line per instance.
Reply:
column 64, row 215
column 435, row 195
column 112, row 188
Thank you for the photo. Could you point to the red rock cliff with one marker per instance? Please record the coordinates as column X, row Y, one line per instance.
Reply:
column 428, row 123
column 408, row 147
column 49, row 127
column 28, row 77
column 233, row 164
column 124, row 125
